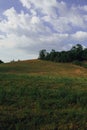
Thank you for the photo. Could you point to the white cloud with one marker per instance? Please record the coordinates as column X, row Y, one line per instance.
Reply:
column 38, row 3
column 26, row 3
column 84, row 8
column 46, row 24
column 80, row 35
column 46, row 7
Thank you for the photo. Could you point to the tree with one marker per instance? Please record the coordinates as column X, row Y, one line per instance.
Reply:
column 1, row 61
column 84, row 55
column 76, row 53
column 43, row 54
column 77, row 47
column 52, row 55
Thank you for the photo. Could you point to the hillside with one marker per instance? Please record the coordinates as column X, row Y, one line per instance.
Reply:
column 43, row 95
column 40, row 67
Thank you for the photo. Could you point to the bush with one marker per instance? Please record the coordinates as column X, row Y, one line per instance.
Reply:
column 76, row 62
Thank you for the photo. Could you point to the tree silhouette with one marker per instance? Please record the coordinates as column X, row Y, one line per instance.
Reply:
column 76, row 53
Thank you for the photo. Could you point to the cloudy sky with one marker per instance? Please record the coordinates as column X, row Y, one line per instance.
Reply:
column 27, row 26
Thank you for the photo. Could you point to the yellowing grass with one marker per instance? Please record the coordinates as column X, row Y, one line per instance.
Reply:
column 38, row 67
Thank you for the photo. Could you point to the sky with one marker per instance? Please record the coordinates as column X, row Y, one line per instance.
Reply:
column 28, row 26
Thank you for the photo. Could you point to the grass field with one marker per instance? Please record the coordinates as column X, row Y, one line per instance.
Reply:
column 42, row 95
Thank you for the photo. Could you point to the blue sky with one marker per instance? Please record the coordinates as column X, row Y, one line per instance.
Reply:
column 27, row 26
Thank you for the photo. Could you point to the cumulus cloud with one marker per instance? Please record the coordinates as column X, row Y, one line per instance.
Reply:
column 48, row 24
column 80, row 35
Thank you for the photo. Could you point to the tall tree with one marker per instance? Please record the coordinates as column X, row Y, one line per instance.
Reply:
column 42, row 54
column 1, row 61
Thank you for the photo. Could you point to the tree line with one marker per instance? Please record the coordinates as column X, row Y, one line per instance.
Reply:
column 76, row 53
column 1, row 61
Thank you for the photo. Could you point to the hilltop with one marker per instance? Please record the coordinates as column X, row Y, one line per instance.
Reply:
column 40, row 67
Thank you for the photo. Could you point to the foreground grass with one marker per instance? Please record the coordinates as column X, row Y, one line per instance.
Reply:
column 41, row 102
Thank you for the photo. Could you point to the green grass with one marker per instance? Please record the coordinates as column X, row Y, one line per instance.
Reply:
column 38, row 67
column 49, row 98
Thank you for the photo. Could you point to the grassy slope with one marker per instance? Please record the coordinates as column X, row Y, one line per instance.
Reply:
column 41, row 95
column 39, row 67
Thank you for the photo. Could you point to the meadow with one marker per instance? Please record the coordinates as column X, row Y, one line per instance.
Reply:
column 42, row 95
